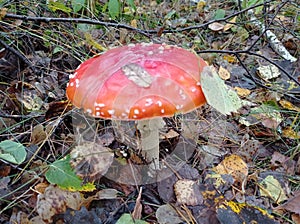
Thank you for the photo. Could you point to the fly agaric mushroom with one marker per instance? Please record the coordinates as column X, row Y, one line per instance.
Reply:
column 142, row 82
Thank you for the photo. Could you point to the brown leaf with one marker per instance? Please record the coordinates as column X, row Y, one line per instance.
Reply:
column 137, row 212
column 55, row 201
column 292, row 204
column 187, row 192
column 38, row 134
column 91, row 160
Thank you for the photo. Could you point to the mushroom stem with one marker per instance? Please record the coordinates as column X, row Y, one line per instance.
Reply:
column 149, row 130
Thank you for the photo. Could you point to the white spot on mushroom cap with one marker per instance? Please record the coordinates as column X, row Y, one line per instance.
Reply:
column 77, row 85
column 159, row 103
column 162, row 111
column 89, row 111
column 198, row 84
column 111, row 112
column 193, row 89
column 97, row 113
column 102, row 113
column 149, row 102
column 131, row 45
column 150, row 53
column 136, row 111
column 71, row 84
column 68, row 84
column 178, row 107
column 99, row 104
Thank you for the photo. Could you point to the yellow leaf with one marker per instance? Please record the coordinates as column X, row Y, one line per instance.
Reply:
column 288, row 105
column 288, row 132
column 242, row 92
column 235, row 166
column 230, row 24
column 223, row 73
column 229, row 58
column 90, row 41
column 133, row 23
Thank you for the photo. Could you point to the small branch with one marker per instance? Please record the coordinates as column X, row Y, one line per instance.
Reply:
column 120, row 25
column 16, row 52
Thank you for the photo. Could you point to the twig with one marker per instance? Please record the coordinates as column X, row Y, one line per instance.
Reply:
column 120, row 25
column 16, row 52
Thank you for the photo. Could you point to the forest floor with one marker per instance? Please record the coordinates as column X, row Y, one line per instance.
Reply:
column 243, row 167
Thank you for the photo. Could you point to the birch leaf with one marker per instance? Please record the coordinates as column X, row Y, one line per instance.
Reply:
column 217, row 93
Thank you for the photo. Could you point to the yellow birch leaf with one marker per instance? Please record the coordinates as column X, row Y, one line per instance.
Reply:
column 230, row 24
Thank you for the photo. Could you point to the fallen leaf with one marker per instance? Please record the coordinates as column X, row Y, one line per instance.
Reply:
column 223, row 73
column 137, row 211
column 55, row 201
column 235, row 166
column 166, row 214
column 217, row 93
column 38, row 134
column 242, row 92
column 236, row 213
column 292, row 204
column 267, row 72
column 127, row 219
column 288, row 132
column 187, row 192
column 230, row 24
column 271, row 188
column 91, row 160
column 288, row 105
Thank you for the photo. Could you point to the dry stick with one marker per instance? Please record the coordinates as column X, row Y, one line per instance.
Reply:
column 120, row 25
column 17, row 53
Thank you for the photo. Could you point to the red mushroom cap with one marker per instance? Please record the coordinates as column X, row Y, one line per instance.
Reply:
column 138, row 81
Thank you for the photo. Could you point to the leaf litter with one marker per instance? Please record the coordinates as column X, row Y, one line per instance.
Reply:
column 243, row 158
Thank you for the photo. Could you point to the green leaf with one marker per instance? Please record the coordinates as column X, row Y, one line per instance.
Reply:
column 77, row 5
column 61, row 173
column 127, row 219
column 12, row 152
column 131, row 4
column 54, row 6
column 219, row 14
column 114, row 8
column 217, row 93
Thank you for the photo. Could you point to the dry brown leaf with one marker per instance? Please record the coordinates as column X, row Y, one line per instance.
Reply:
column 38, row 134
column 235, row 166
column 91, row 160
column 224, row 73
column 137, row 212
column 55, row 201
column 187, row 192
column 242, row 92
column 292, row 204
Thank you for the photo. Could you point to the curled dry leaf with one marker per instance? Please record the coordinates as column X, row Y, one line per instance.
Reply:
column 235, row 166
column 55, row 201
column 292, row 204
column 187, row 192
column 91, row 160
